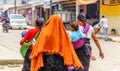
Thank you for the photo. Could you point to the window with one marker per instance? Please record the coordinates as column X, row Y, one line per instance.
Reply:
column 17, row 17
column 5, row 1
column 110, row 2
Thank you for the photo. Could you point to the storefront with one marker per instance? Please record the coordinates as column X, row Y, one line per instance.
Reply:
column 40, row 11
column 27, row 13
column 66, row 9
column 111, row 10
column 91, row 9
column 69, row 10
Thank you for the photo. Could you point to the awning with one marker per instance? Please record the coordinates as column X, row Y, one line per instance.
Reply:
column 5, row 7
column 81, row 2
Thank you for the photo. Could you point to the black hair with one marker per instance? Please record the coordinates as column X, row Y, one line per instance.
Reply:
column 39, row 22
column 103, row 16
column 75, row 26
column 81, row 10
column 81, row 18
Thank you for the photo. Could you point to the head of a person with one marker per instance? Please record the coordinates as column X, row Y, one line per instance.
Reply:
column 103, row 16
column 81, row 18
column 81, row 10
column 73, row 26
column 54, row 20
column 23, row 33
column 39, row 22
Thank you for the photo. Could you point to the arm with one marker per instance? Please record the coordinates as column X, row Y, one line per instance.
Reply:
column 22, row 41
column 100, row 22
column 71, row 36
column 98, row 45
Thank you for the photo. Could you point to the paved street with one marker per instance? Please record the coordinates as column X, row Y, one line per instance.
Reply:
column 10, row 44
column 111, row 62
column 10, row 41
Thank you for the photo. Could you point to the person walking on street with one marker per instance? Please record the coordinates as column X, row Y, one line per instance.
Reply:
column 85, row 59
column 104, row 22
column 30, row 34
column 53, row 50
column 82, row 12
column 77, row 38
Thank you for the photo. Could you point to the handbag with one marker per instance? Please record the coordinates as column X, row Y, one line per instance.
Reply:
column 79, row 43
column 25, row 46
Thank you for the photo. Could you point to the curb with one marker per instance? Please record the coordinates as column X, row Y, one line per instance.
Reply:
column 8, row 61
column 109, row 39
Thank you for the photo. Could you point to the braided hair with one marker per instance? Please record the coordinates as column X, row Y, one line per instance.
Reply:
column 81, row 18
column 39, row 22
column 75, row 26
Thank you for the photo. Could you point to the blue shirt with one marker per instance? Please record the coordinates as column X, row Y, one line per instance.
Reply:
column 76, row 35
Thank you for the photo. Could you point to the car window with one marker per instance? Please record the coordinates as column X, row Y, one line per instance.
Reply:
column 17, row 17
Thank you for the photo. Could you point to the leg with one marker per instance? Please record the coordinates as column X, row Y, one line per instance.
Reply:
column 53, row 62
column 27, row 62
column 105, row 33
column 85, row 59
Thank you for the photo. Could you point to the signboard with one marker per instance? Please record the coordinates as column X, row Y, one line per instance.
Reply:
column 65, row 15
column 110, row 2
column 46, row 3
column 80, row 2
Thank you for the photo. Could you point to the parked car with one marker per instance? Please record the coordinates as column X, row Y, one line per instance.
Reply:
column 17, row 21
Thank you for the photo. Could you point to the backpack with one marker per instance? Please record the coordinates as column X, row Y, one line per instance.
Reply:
column 26, row 45
column 79, row 43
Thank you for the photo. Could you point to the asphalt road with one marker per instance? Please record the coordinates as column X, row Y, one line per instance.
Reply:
column 111, row 62
column 9, row 44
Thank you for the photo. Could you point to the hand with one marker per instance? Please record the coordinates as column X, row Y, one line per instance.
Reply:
column 102, row 55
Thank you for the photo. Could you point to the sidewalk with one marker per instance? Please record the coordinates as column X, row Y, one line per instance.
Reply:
column 114, row 38
column 8, row 56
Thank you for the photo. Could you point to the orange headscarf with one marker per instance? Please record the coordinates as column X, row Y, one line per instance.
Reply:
column 53, row 39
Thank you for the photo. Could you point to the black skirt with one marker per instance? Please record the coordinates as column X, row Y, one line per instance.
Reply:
column 27, row 61
column 84, row 58
column 53, row 62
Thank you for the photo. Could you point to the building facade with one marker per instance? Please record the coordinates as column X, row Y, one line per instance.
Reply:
column 111, row 9
column 67, row 10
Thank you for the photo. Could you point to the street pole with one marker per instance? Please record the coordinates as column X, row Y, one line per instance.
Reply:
column 60, row 8
column 77, row 11
column 50, row 7
column 15, row 6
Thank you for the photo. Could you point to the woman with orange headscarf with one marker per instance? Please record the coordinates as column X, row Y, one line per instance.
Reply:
column 53, row 50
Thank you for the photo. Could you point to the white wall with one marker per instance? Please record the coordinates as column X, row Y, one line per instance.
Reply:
column 41, row 1
column 10, row 1
column 1, row 1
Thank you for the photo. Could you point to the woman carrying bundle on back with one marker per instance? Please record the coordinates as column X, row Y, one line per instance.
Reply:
column 89, row 32
column 53, row 50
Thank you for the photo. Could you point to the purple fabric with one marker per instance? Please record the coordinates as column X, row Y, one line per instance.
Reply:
column 79, row 43
column 85, row 30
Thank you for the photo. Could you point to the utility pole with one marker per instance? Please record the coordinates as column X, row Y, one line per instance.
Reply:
column 15, row 6
column 50, row 7
column 60, row 8
column 77, row 11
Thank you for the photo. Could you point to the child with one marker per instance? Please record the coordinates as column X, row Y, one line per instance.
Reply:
column 23, row 33
column 75, row 35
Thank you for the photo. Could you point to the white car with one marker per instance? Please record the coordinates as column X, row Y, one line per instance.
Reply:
column 17, row 21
